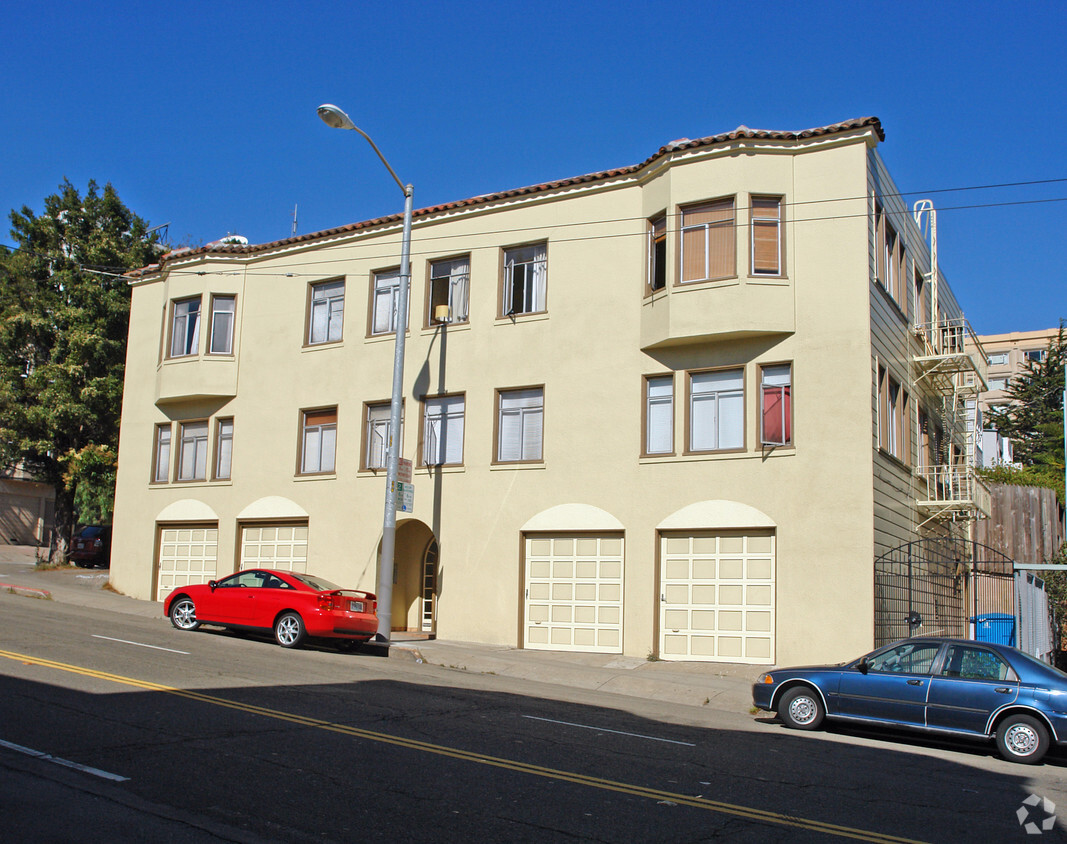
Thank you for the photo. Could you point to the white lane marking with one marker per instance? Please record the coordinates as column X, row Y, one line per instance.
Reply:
column 603, row 730
column 48, row 757
column 141, row 645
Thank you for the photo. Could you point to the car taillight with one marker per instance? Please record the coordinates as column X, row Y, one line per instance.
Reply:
column 325, row 601
column 97, row 543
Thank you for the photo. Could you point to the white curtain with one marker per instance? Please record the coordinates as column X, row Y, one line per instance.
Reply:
column 444, row 431
column 540, row 276
column 460, row 288
column 386, row 287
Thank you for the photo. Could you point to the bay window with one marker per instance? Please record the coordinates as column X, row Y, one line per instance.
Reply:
column 709, row 241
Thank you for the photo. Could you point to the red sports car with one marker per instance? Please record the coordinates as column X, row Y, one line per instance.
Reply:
column 293, row 606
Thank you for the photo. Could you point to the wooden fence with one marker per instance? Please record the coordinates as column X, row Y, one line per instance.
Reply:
column 1025, row 523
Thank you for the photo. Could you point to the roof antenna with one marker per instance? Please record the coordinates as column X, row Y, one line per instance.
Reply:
column 294, row 219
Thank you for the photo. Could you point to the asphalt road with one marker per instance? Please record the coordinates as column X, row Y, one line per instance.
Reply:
column 156, row 735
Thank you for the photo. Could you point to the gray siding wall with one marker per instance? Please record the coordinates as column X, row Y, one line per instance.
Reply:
column 893, row 346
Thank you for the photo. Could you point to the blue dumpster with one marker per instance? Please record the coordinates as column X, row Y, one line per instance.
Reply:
column 995, row 627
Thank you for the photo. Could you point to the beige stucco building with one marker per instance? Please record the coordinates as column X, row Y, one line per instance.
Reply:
column 674, row 409
column 1008, row 355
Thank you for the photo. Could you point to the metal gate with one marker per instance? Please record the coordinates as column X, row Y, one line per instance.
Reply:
column 934, row 587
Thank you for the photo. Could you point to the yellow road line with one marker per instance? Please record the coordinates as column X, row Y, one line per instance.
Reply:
column 478, row 758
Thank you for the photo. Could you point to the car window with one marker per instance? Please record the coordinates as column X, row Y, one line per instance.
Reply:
column 970, row 663
column 316, row 583
column 275, row 582
column 907, row 658
column 244, row 578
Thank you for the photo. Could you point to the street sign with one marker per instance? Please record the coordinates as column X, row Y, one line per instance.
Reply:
column 405, row 497
column 403, row 470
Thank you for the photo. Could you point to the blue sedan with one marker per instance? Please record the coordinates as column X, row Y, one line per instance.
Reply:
column 946, row 686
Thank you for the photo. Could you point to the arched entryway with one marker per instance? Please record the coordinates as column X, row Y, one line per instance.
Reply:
column 416, row 577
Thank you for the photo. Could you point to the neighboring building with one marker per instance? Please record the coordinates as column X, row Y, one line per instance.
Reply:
column 27, row 509
column 673, row 409
column 1008, row 356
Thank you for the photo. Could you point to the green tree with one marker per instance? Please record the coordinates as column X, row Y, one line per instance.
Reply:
column 1033, row 420
column 64, row 312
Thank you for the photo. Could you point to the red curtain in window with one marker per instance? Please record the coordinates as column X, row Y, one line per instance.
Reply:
column 777, row 415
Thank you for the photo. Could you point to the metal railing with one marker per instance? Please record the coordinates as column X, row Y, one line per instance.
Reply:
column 953, row 487
column 954, row 338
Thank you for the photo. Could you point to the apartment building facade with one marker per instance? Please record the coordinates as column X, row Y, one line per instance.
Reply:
column 1009, row 354
column 674, row 409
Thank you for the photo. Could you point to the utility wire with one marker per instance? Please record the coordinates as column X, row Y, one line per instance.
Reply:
column 105, row 270
column 387, row 256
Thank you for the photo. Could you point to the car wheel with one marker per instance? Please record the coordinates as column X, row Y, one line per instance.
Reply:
column 183, row 614
column 1022, row 738
column 801, row 709
column 289, row 631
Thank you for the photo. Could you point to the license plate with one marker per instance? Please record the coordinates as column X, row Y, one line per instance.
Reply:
column 355, row 606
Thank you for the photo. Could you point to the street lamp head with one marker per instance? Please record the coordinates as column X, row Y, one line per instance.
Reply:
column 333, row 116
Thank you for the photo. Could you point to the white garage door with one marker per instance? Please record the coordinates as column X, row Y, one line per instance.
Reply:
column 574, row 593
column 188, row 554
column 275, row 547
column 717, row 597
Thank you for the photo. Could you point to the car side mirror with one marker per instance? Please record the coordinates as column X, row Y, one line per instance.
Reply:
column 211, row 584
column 862, row 666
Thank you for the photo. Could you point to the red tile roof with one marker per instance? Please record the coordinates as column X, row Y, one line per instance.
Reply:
column 741, row 132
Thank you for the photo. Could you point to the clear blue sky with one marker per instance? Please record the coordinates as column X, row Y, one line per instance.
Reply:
column 202, row 115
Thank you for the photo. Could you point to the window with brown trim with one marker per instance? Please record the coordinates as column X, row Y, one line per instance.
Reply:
column 657, row 254
column 717, row 410
column 385, row 298
column 377, row 434
column 442, row 430
column 659, row 414
column 922, row 307
column 776, row 404
column 882, row 422
column 185, row 327
column 524, row 281
column 520, row 425
column 222, row 323
column 161, row 454
column 223, row 449
column 192, row 451
column 326, row 311
column 766, row 226
column 709, row 241
column 449, row 291
column 892, row 261
column 894, row 410
column 318, row 441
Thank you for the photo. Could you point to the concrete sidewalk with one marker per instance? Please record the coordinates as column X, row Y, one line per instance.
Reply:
column 720, row 686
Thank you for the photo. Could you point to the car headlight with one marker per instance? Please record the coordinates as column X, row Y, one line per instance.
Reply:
column 767, row 679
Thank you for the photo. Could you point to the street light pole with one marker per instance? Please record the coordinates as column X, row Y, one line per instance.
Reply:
column 334, row 117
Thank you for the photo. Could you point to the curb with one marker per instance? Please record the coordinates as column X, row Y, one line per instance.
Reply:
column 26, row 591
column 407, row 652
column 392, row 650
